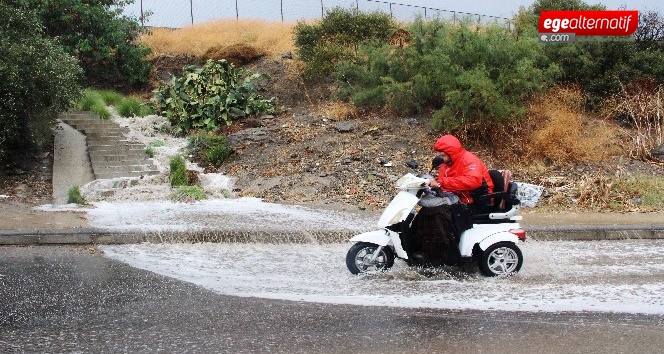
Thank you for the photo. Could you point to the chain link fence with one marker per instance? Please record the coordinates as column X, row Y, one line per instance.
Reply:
column 180, row 13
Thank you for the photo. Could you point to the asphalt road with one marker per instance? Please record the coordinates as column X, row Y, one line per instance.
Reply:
column 65, row 299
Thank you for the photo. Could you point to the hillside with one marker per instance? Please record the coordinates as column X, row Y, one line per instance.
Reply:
column 318, row 150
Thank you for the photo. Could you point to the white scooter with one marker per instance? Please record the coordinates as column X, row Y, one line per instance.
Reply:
column 491, row 241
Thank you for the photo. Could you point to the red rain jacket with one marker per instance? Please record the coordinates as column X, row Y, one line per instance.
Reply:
column 465, row 171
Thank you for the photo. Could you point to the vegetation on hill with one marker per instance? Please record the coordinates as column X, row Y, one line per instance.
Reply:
column 588, row 110
column 39, row 79
column 503, row 93
column 98, row 35
column 48, row 49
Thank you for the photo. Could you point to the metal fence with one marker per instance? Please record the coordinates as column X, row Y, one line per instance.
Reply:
column 180, row 13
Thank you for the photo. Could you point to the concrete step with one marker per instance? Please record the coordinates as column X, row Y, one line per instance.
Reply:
column 120, row 158
column 117, row 161
column 101, row 131
column 124, row 169
column 120, row 175
column 119, row 149
column 86, row 120
column 97, row 130
column 107, row 136
column 96, row 152
column 132, row 145
column 112, row 154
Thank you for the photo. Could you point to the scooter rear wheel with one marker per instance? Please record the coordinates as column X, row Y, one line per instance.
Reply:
column 503, row 258
column 358, row 258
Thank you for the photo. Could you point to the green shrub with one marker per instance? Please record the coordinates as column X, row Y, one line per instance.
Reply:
column 89, row 99
column 110, row 97
column 131, row 106
column 150, row 149
column 178, row 172
column 211, row 96
column 98, row 101
column 102, row 110
column 74, row 196
column 39, row 80
column 188, row 194
column 210, row 148
column 93, row 101
column 465, row 76
column 99, row 36
column 338, row 36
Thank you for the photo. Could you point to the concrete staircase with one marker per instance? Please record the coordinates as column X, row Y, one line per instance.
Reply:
column 111, row 154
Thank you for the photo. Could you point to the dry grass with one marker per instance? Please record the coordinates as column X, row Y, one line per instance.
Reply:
column 339, row 110
column 641, row 105
column 561, row 132
column 602, row 191
column 555, row 131
column 273, row 38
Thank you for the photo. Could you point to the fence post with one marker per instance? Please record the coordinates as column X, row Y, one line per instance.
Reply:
column 237, row 14
column 191, row 10
column 321, row 9
column 281, row 7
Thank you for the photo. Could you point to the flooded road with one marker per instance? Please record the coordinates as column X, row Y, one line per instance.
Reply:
column 607, row 276
column 76, row 300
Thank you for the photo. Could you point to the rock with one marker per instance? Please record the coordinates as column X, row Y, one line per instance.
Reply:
column 344, row 127
column 411, row 122
column 256, row 135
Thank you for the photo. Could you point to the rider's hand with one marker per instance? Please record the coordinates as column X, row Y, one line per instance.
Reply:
column 434, row 184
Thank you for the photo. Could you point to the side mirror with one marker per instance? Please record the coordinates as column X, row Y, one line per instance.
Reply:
column 412, row 164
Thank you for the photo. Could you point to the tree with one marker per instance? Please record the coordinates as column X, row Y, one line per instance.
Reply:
column 99, row 35
column 39, row 80
column 650, row 33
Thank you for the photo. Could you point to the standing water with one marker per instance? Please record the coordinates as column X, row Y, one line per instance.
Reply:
column 607, row 276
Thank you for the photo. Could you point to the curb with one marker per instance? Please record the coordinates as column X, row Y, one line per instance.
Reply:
column 105, row 237
column 596, row 233
column 92, row 236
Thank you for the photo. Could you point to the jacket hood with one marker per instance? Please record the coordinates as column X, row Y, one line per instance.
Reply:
column 450, row 145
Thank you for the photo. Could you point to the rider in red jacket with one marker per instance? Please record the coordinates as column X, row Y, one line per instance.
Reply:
column 462, row 171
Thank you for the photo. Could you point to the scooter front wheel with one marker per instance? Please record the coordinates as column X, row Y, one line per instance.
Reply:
column 503, row 258
column 360, row 258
